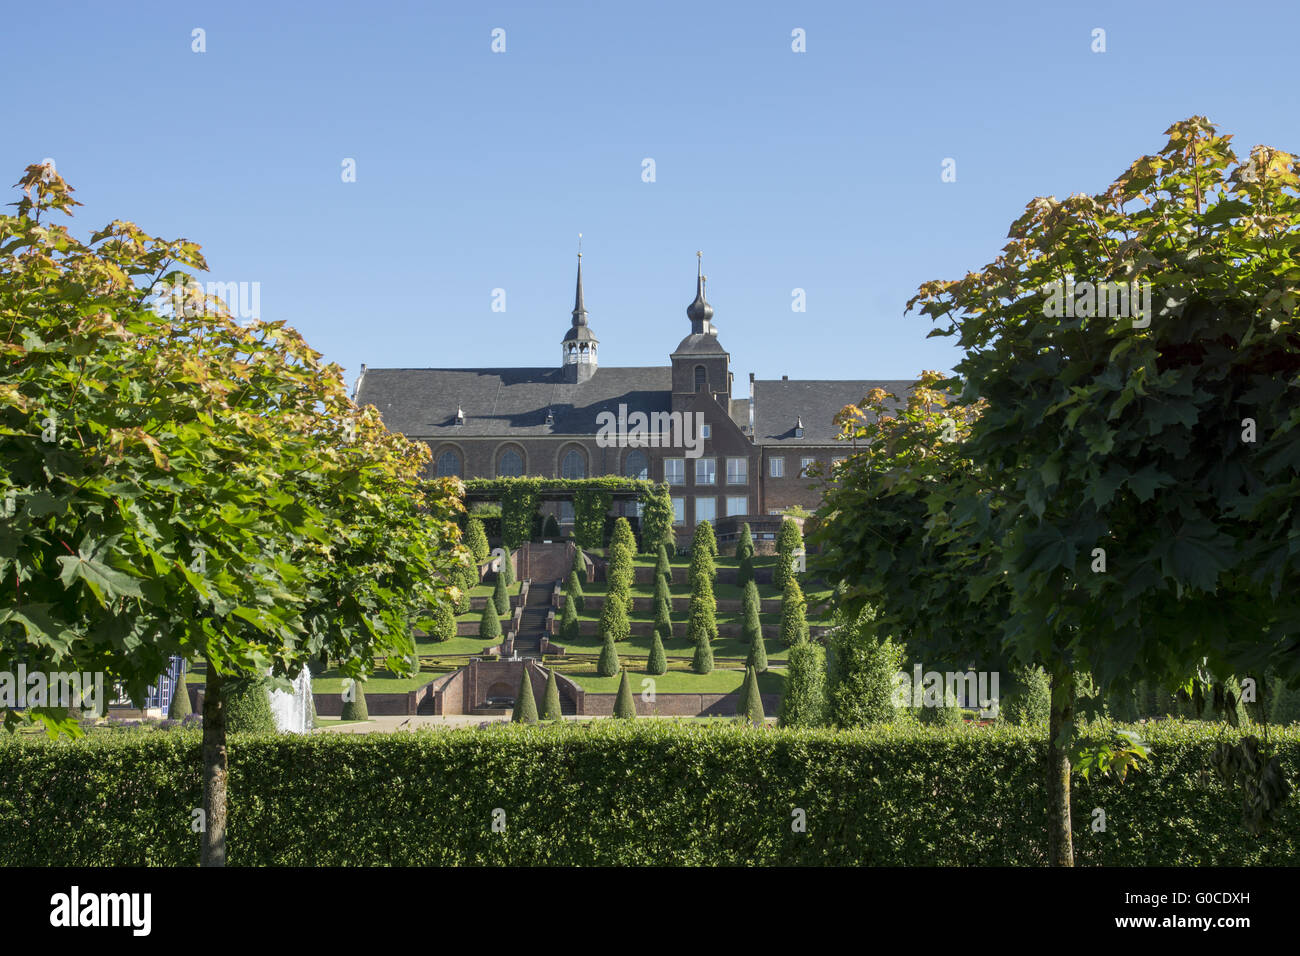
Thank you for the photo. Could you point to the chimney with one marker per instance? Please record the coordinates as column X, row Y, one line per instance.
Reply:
column 785, row 378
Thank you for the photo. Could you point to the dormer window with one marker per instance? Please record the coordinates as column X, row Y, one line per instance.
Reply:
column 460, row 415
column 798, row 428
column 550, row 416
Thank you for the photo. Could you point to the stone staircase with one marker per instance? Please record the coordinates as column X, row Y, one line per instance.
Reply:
column 532, row 621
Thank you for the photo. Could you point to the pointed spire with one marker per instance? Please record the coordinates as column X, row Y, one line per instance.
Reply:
column 579, row 309
column 699, row 311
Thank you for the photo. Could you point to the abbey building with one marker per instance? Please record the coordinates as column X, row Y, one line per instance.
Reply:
column 726, row 456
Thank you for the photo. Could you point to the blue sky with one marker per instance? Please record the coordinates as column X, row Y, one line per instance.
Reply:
column 477, row 170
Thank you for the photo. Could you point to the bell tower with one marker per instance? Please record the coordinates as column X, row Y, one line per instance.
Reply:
column 578, row 347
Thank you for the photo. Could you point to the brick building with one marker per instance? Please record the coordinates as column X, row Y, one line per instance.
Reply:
column 749, row 457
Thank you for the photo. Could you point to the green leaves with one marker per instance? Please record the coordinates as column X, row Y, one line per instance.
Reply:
column 104, row 582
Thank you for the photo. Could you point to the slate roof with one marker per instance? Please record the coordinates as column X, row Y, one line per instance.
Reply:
column 422, row 402
column 779, row 404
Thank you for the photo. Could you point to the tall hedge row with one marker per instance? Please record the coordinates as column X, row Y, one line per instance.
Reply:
column 623, row 792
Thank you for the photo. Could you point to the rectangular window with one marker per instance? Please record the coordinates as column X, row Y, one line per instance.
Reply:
column 737, row 471
column 679, row 511
column 776, row 467
column 566, row 512
column 675, row 471
column 706, row 472
column 706, row 509
column 737, row 505
column 804, row 465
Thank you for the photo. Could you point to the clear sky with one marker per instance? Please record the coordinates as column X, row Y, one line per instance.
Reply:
column 477, row 170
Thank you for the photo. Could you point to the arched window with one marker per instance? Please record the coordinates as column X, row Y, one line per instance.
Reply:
column 636, row 465
column 511, row 464
column 448, row 464
column 573, row 465
column 701, row 378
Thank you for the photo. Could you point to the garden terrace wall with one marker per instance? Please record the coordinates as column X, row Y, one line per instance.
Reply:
column 677, row 705
column 643, row 574
column 594, row 602
column 627, row 793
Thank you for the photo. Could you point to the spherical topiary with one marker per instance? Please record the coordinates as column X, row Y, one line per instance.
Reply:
column 500, row 596
column 354, row 709
column 607, row 665
column 525, row 711
column 248, row 707
column 573, row 592
column 489, row 626
column 476, row 540
column 658, row 661
column 551, row 699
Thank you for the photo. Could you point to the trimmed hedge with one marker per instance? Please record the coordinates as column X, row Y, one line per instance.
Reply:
column 613, row 792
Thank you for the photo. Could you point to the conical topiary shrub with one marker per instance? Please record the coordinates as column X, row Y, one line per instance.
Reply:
column 551, row 700
column 180, row 706
column 525, row 711
column 663, row 620
column 613, row 619
column 569, row 629
column 753, row 700
column 354, row 709
column 248, row 707
column 579, row 564
column 751, row 629
column 624, row 705
column 662, row 567
column 662, row 589
column 444, row 622
column 623, row 535
column 573, row 592
column 658, row 661
column 745, row 546
column 551, row 528
column 757, row 657
column 508, row 567
column 489, row 625
column 465, row 580
column 794, row 620
column 788, row 540
column 804, row 702
column 702, row 662
column 476, row 540
column 607, row 666
column 500, row 596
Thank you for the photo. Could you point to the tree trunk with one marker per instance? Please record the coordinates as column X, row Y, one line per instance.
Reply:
column 213, row 851
column 1060, row 842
